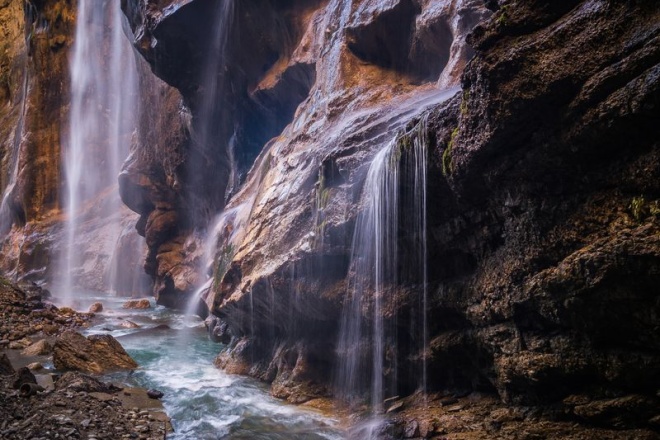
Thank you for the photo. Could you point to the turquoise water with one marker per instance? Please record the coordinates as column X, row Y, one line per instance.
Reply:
column 176, row 357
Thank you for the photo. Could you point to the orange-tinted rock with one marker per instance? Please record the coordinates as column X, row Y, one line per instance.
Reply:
column 137, row 304
column 95, row 354
column 97, row 307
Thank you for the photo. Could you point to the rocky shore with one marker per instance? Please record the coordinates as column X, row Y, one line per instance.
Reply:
column 43, row 403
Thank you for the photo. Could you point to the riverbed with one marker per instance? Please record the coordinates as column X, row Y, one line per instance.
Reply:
column 176, row 357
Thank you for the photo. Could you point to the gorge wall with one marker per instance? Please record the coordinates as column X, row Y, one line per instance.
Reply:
column 543, row 197
column 543, row 183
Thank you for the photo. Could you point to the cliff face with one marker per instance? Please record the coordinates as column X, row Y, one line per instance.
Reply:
column 342, row 63
column 327, row 84
column 34, row 70
column 545, row 230
column 543, row 185
column 34, row 95
column 543, row 192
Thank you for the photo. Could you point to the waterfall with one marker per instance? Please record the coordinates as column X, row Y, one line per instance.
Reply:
column 101, row 123
column 389, row 251
column 205, row 136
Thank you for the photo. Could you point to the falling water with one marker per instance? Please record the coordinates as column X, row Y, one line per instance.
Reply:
column 208, row 134
column 102, row 119
column 204, row 137
column 388, row 249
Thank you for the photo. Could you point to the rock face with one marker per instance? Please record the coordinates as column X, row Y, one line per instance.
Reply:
column 280, row 63
column 545, row 232
column 543, row 209
column 543, row 185
column 94, row 354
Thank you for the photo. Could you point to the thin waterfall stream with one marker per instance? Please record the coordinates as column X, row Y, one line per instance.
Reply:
column 394, row 205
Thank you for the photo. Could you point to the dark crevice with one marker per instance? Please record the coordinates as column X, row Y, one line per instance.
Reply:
column 393, row 41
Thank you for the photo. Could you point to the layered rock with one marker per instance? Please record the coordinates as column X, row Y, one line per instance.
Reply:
column 545, row 232
column 285, row 239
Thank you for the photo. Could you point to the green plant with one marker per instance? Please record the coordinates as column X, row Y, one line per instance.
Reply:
column 502, row 17
column 637, row 207
column 654, row 208
column 464, row 100
column 222, row 264
column 446, row 155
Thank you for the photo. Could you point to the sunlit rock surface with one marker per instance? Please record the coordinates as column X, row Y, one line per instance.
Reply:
column 323, row 85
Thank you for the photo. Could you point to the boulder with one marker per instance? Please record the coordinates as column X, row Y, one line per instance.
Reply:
column 23, row 376
column 128, row 324
column 154, row 394
column 6, row 369
column 97, row 307
column 39, row 348
column 95, row 354
column 20, row 344
column 137, row 304
column 75, row 381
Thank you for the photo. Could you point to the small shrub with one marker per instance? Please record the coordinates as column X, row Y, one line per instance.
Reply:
column 637, row 208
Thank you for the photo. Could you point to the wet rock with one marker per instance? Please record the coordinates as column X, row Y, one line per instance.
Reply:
column 39, row 348
column 137, row 304
column 23, row 375
column 35, row 366
column 20, row 344
column 6, row 368
column 95, row 354
column 128, row 324
column 395, row 406
column 411, row 430
column 97, row 307
column 155, row 394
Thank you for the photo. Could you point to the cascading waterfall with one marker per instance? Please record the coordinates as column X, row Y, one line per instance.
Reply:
column 208, row 135
column 102, row 120
column 389, row 249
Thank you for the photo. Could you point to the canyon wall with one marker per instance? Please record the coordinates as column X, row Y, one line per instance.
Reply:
column 543, row 197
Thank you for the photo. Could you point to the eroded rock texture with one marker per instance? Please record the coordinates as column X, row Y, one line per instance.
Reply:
column 543, row 219
column 545, row 249
column 327, row 56
column 323, row 85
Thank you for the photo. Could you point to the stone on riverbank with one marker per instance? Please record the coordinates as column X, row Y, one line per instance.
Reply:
column 39, row 348
column 95, row 354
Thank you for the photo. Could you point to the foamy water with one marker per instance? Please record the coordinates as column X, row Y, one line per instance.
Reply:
column 176, row 357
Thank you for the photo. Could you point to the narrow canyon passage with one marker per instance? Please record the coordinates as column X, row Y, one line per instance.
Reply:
column 328, row 219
